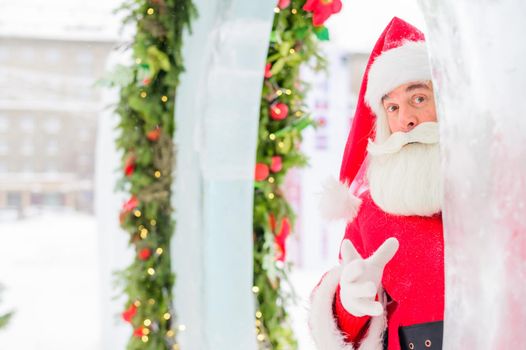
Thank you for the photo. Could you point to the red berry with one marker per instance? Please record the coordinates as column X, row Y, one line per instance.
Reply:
column 261, row 171
column 279, row 111
column 144, row 254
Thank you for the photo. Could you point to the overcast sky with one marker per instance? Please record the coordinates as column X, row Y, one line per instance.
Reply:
column 356, row 28
column 360, row 23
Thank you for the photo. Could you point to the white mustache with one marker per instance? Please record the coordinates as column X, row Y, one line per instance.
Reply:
column 426, row 133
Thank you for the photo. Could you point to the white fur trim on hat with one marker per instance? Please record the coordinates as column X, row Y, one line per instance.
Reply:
column 404, row 64
column 337, row 201
column 323, row 325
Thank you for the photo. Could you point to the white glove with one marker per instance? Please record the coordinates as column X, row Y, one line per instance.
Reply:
column 360, row 278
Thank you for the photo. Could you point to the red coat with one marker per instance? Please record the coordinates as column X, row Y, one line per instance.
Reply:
column 414, row 278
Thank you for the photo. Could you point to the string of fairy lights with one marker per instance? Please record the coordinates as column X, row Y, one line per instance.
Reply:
column 146, row 128
column 148, row 257
column 294, row 43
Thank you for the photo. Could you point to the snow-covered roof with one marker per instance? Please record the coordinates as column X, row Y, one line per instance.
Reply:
column 91, row 20
column 360, row 23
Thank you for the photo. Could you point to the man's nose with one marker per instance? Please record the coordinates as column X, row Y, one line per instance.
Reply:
column 407, row 118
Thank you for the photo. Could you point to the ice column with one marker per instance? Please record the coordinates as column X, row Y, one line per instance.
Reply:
column 217, row 113
column 477, row 51
column 115, row 253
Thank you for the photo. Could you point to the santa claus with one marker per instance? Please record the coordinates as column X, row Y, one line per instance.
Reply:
column 388, row 291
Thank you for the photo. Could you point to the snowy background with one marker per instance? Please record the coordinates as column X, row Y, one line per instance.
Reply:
column 50, row 260
column 49, row 266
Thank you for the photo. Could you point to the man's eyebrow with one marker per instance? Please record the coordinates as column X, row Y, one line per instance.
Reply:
column 417, row 86
column 409, row 89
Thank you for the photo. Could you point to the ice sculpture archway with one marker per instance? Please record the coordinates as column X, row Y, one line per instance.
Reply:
column 217, row 113
column 477, row 52
column 484, row 221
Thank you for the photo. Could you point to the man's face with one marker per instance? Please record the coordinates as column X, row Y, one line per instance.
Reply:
column 409, row 105
column 404, row 171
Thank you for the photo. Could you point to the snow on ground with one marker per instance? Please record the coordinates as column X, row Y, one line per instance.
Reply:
column 48, row 265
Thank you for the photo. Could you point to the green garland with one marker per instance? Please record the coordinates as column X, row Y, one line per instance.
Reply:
column 283, row 116
column 146, row 129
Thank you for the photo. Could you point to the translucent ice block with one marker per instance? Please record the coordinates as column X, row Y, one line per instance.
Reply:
column 217, row 115
column 477, row 51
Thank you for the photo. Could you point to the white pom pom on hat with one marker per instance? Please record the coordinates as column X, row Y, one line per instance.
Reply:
column 337, row 201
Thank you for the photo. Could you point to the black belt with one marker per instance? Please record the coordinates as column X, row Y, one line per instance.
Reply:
column 423, row 336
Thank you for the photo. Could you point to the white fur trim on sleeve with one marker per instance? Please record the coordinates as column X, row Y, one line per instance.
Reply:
column 337, row 201
column 323, row 325
column 374, row 340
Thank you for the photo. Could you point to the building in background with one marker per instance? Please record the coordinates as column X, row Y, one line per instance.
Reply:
column 49, row 104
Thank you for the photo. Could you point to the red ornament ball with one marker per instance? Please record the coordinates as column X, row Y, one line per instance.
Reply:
column 261, row 171
column 144, row 254
column 276, row 164
column 153, row 135
column 279, row 111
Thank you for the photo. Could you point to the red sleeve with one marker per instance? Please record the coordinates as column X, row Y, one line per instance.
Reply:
column 354, row 234
column 353, row 327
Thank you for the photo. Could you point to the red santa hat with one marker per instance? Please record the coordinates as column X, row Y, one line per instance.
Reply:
column 398, row 57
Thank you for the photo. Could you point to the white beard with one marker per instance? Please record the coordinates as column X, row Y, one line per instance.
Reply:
column 408, row 182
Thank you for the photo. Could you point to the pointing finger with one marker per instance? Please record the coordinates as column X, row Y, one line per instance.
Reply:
column 348, row 251
column 385, row 253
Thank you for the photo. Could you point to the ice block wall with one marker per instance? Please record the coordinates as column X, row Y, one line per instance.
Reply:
column 115, row 253
column 217, row 114
column 477, row 51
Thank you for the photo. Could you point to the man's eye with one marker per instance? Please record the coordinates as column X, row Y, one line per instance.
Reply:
column 391, row 108
column 419, row 99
